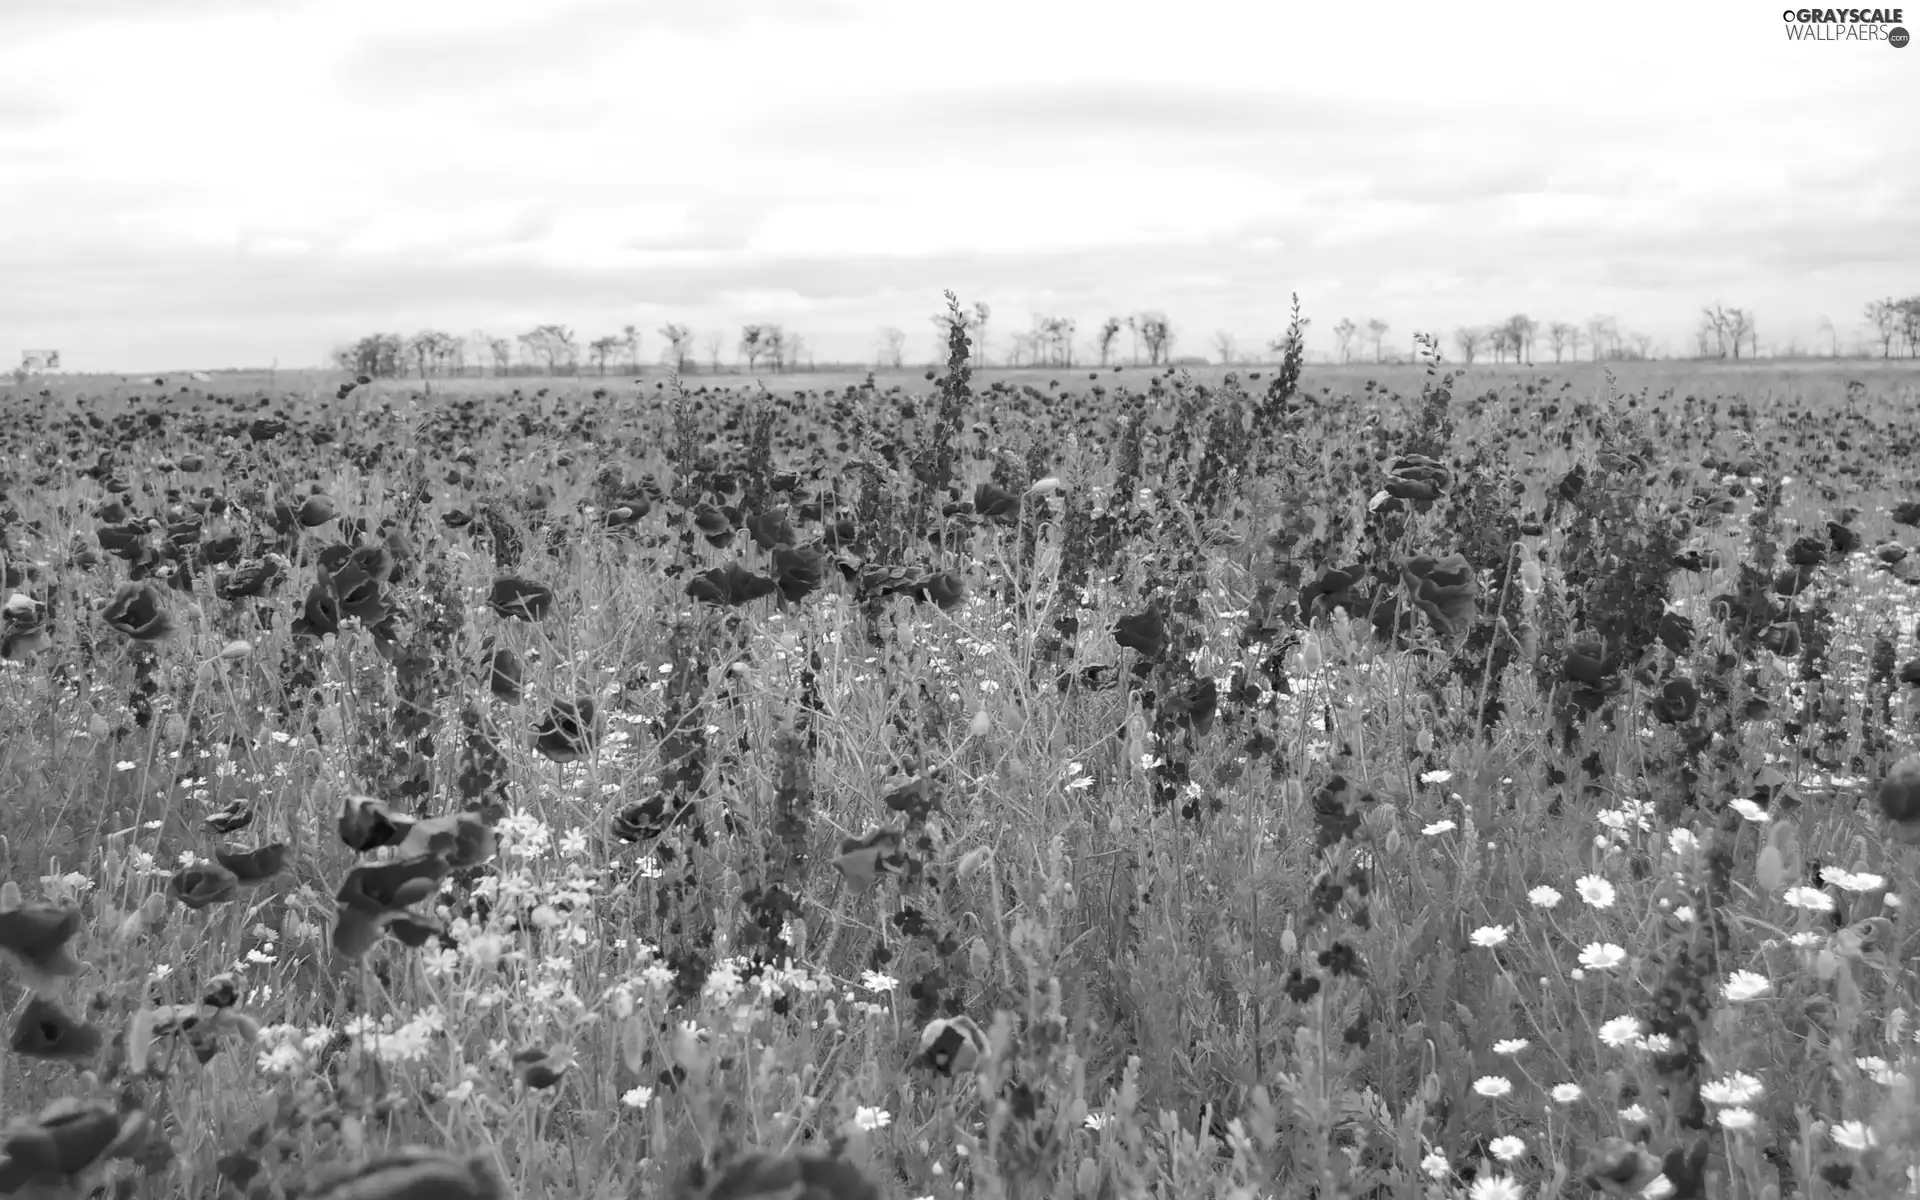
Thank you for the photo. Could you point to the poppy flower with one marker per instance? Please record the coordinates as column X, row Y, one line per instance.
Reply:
column 1890, row 552
column 1907, row 513
column 1443, row 588
column 1842, row 538
column 1911, row 673
column 1899, row 799
column 265, row 429
column 1335, row 587
column 375, row 561
column 416, row 1173
column 463, row 839
column 253, row 867
column 25, row 629
column 203, row 885
column 567, row 733
column 1678, row 701
column 235, row 816
column 732, row 584
column 1807, row 551
column 46, row 1030
column 220, row 551
column 521, row 599
column 373, row 897
column 1675, row 632
column 945, row 588
column 255, row 577
column 863, row 860
column 367, row 824
column 540, row 1070
column 1618, row 1167
column 35, row 936
column 137, row 611
column 797, row 570
column 1418, row 478
column 771, row 528
column 1585, row 663
column 316, row 510
column 779, row 1177
column 1782, row 637
column 1145, row 633
column 713, row 525
column 56, row 1151
column 951, row 1044
column 996, row 503
column 504, row 674
column 1194, row 708
column 1793, row 580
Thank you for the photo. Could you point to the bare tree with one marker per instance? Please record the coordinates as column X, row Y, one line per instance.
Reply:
column 1910, row 323
column 1055, row 334
column 715, row 340
column 1468, row 339
column 1133, row 327
column 1377, row 333
column 630, row 342
column 1520, row 329
column 1642, row 345
column 679, row 345
column 1731, row 328
column 603, row 348
column 981, row 314
column 1884, row 316
column 1225, row 346
column 798, row 351
column 1560, row 336
column 502, row 351
column 1109, row 330
column 1601, row 335
column 752, row 344
column 1824, row 325
column 893, row 347
column 1345, row 335
column 1158, row 334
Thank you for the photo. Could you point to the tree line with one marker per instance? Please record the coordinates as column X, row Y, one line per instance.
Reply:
column 1723, row 331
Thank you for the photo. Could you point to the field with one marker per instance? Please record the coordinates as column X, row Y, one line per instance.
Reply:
column 1341, row 782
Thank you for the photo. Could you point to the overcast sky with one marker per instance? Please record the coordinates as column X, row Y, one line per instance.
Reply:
column 189, row 183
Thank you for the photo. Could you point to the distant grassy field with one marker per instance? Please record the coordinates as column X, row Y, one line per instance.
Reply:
column 1352, row 782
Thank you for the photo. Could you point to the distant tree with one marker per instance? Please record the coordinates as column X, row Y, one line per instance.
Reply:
column 1500, row 341
column 1731, row 328
column 630, row 342
column 893, row 347
column 1157, row 332
column 1824, row 325
column 431, row 351
column 377, row 355
column 679, row 345
column 1560, row 336
column 1225, row 346
column 1642, row 345
column 1468, row 339
column 603, row 348
column 1025, row 348
column 1133, row 326
column 1345, row 337
column 774, row 339
column 752, row 344
column 1884, row 316
column 715, row 340
column 1109, row 330
column 798, row 351
column 502, row 351
column 1377, row 333
column 1520, row 329
column 1910, row 324
column 981, row 315
column 1601, row 335
column 1055, row 337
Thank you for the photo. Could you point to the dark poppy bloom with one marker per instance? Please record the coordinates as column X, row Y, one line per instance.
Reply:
column 1890, row 552
column 1678, row 701
column 222, row 550
column 996, row 503
column 771, row 528
column 252, row 868
column 374, row 898
column 1585, row 663
column 191, row 463
column 863, row 860
column 952, row 1045
column 320, row 615
column 797, row 570
column 540, row 1070
column 1807, row 551
column 25, row 627
column 521, row 599
column 1618, row 1167
column 713, row 525
column 1195, row 708
column 375, row 560
column 127, row 541
column 316, row 510
column 35, row 936
column 1907, row 513
column 204, row 885
column 416, row 1173
column 1335, row 588
column 1782, row 637
column 1675, row 632
column 1842, row 538
column 58, row 1152
column 137, row 611
column 732, row 584
column 265, row 429
column 48, row 1031
column 781, row 1177
column 367, row 824
column 237, row 815
column 946, row 589
column 1899, row 799
column 1443, row 588
column 251, row 579
column 1417, row 478
column 1145, row 633
column 567, row 733
column 1911, row 673
column 1793, row 580
column 504, row 673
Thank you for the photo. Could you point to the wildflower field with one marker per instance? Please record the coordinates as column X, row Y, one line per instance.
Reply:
column 1175, row 788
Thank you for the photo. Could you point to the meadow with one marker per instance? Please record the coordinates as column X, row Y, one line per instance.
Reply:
column 1273, row 782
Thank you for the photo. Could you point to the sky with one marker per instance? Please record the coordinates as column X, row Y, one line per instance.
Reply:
column 224, row 183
